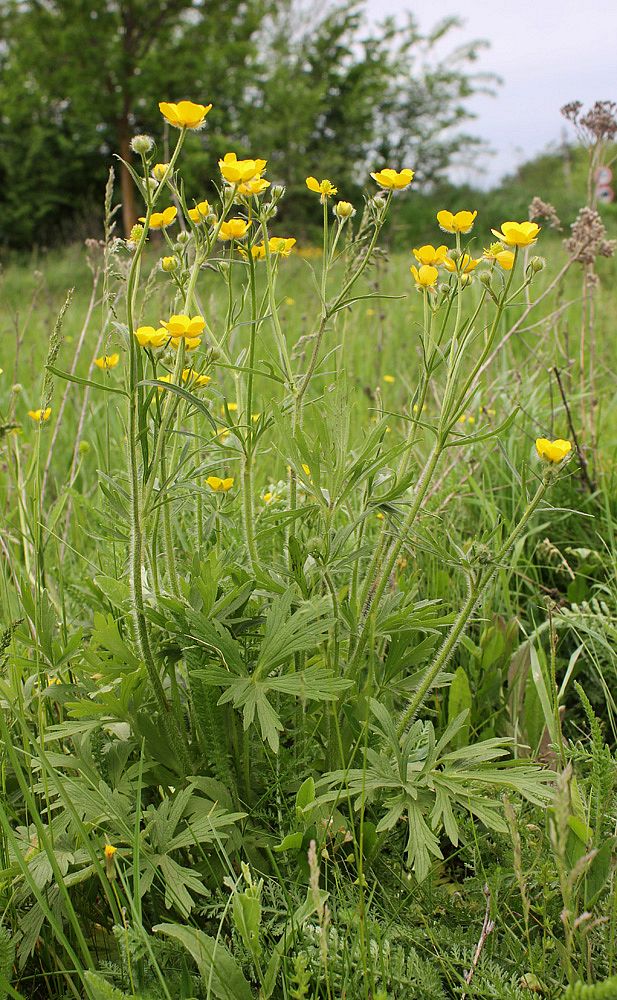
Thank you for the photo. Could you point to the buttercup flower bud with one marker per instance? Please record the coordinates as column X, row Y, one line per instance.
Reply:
column 159, row 170
column 142, row 144
column 16, row 388
column 183, row 239
column 277, row 191
column 344, row 210
column 485, row 278
column 537, row 264
column 84, row 447
column 169, row 263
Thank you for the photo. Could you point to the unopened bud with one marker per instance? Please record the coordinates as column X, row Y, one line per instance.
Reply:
column 169, row 263
column 344, row 210
column 16, row 388
column 142, row 144
column 159, row 170
column 537, row 264
column 277, row 191
column 84, row 447
column 183, row 238
column 485, row 278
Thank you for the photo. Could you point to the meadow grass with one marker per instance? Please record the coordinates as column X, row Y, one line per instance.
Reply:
column 345, row 727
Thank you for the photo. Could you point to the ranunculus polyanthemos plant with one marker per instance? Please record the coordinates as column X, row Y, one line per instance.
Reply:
column 313, row 556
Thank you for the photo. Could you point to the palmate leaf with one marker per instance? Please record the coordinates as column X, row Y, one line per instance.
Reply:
column 286, row 634
column 415, row 779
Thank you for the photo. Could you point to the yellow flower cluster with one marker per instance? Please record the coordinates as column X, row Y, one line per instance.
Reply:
column 219, row 485
column 280, row 245
column 172, row 331
column 107, row 361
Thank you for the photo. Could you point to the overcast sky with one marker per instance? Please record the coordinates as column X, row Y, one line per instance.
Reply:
column 548, row 52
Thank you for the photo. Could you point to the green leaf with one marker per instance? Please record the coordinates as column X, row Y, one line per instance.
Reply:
column 305, row 795
column 459, row 701
column 292, row 842
column 219, row 971
column 100, row 989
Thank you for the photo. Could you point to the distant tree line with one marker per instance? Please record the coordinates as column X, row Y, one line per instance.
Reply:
column 328, row 93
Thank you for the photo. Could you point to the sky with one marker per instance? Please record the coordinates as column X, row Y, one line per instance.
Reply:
column 547, row 52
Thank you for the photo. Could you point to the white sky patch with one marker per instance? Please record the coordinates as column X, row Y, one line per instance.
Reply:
column 548, row 52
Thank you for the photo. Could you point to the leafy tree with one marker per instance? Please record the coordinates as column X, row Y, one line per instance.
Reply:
column 330, row 93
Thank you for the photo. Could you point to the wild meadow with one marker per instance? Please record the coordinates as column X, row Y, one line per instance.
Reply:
column 308, row 599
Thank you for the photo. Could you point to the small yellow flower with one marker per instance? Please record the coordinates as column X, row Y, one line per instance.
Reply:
column 306, row 470
column 40, row 415
column 325, row 187
column 496, row 252
column 233, row 229
column 289, row 301
column 281, row 245
column 465, row 264
column 160, row 220
column 267, row 497
column 393, row 180
column 219, row 485
column 232, row 407
column 389, row 378
column 164, row 378
column 169, row 263
column 185, row 114
column 107, row 361
column 256, row 186
column 379, row 515
column 426, row 276
column 109, row 851
column 184, row 326
column 135, row 234
column 553, row 451
column 459, row 222
column 147, row 336
column 237, row 171
column 195, row 379
column 190, row 343
column 517, row 234
column 200, row 212
column 433, row 256
column 159, row 170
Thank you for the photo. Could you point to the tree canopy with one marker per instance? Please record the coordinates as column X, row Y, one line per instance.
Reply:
column 331, row 95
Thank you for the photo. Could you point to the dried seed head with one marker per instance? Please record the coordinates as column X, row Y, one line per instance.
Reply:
column 588, row 239
column 544, row 210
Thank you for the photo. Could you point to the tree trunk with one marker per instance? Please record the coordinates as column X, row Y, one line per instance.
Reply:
column 127, row 188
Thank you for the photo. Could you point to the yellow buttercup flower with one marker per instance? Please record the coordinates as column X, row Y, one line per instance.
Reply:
column 233, row 229
column 190, row 343
column 496, row 252
column 169, row 263
column 426, row 276
column 200, row 212
column 389, row 379
column 195, row 379
column 325, row 187
column 517, row 234
column 465, row 264
column 306, row 470
column 257, row 186
column 232, row 407
column 184, row 326
column 553, row 451
column 164, row 378
column 281, row 245
column 393, row 180
column 459, row 222
column 219, row 485
column 147, row 336
column 159, row 170
column 185, row 114
column 109, row 851
column 160, row 220
column 433, row 256
column 107, row 361
column 40, row 415
column 237, row 171
column 267, row 497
